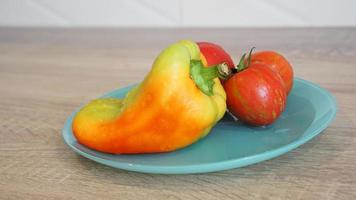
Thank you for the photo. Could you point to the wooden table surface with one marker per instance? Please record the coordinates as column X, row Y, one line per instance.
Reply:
column 46, row 73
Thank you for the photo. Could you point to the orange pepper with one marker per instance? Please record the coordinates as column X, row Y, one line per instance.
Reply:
column 175, row 105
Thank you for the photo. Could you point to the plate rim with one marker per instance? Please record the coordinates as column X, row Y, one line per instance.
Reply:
column 206, row 167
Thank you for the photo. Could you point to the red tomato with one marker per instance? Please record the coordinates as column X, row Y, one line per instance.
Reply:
column 278, row 63
column 256, row 95
column 215, row 54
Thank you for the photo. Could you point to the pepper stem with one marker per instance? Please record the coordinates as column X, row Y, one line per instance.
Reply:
column 204, row 76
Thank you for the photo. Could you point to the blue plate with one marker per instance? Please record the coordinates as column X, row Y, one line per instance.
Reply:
column 230, row 144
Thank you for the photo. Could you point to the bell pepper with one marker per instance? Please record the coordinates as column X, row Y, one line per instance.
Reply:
column 176, row 104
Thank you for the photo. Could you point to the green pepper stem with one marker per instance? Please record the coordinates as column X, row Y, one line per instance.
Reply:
column 221, row 71
column 204, row 76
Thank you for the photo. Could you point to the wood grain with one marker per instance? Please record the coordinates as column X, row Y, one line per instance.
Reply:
column 46, row 73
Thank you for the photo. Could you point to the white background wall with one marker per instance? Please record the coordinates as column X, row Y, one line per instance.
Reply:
column 177, row 13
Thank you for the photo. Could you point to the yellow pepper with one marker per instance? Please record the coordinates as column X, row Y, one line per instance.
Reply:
column 176, row 104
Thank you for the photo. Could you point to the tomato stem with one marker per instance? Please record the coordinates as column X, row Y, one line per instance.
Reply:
column 249, row 56
column 242, row 64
